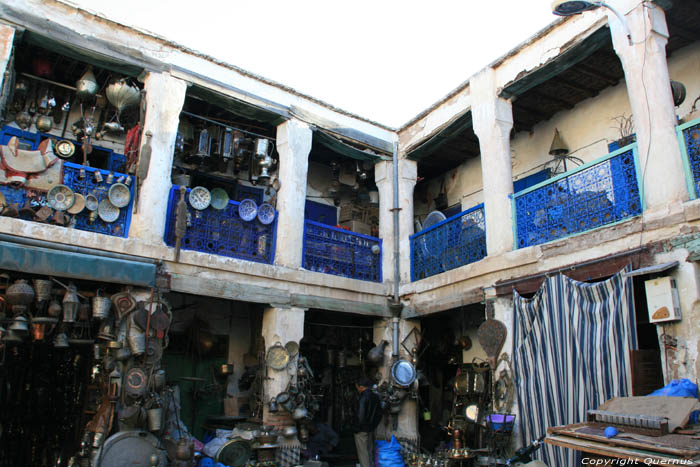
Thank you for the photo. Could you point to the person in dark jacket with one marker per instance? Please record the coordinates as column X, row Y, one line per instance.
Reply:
column 369, row 414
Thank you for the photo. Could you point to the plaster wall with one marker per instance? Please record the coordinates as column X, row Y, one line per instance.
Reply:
column 684, row 66
column 681, row 360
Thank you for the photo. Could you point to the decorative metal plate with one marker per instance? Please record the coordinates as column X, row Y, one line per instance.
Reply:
column 91, row 203
column 60, row 197
column 266, row 214
column 403, row 373
column 292, row 348
column 78, row 205
column 136, row 382
column 247, row 210
column 235, row 453
column 119, row 195
column 132, row 447
column 200, row 198
column 277, row 357
column 107, row 211
column 219, row 199
column 64, row 149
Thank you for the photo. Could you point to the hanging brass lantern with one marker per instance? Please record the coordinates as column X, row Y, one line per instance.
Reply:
column 70, row 304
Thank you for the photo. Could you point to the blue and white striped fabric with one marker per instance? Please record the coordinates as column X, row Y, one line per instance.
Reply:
column 570, row 354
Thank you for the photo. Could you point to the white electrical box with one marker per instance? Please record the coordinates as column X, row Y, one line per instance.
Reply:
column 662, row 300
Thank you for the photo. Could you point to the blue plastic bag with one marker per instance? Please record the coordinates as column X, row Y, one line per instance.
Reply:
column 680, row 388
column 389, row 453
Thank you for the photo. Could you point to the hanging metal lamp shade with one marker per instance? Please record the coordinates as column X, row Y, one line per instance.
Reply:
column 559, row 146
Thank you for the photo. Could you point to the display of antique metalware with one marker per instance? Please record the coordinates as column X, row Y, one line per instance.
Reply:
column 219, row 199
column 86, row 87
column 61, row 341
column 122, row 95
column 199, row 198
column 277, row 357
column 60, row 197
column 119, row 195
column 101, row 306
column 44, row 123
column 23, row 120
column 91, row 203
column 20, row 324
column 42, row 288
column 19, row 293
column 70, row 304
column 64, row 149
column 40, row 325
column 107, row 211
column 247, row 210
column 54, row 309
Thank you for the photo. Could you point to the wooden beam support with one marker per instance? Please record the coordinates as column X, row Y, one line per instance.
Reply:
column 590, row 72
column 558, row 100
column 590, row 92
column 523, row 108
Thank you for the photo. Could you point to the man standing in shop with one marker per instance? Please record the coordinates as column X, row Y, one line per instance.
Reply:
column 369, row 414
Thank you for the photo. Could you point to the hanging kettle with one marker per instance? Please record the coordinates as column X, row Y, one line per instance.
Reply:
column 376, row 355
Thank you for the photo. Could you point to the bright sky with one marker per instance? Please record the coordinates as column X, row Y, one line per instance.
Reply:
column 386, row 60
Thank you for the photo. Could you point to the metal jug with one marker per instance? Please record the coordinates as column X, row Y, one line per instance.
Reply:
column 137, row 341
column 155, row 418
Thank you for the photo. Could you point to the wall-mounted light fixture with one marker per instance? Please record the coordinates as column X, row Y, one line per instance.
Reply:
column 575, row 7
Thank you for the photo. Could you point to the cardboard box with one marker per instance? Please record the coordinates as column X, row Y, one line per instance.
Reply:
column 357, row 227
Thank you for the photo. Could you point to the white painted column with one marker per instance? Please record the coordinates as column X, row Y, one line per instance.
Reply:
column 649, row 91
column 408, row 174
column 293, row 146
column 165, row 96
column 279, row 325
column 493, row 121
column 407, row 427
column 7, row 37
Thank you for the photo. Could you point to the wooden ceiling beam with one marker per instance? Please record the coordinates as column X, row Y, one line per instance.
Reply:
column 530, row 110
column 590, row 92
column 593, row 73
column 558, row 100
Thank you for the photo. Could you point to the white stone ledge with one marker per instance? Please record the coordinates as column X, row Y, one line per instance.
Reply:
column 191, row 262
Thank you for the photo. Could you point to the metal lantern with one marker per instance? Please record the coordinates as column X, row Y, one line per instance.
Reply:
column 70, row 304
column 39, row 327
column 61, row 341
column 43, row 290
column 20, row 324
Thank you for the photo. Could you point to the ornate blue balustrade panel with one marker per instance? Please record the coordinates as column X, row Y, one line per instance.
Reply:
column 222, row 232
column 691, row 139
column 331, row 250
column 84, row 185
column 588, row 197
column 452, row 243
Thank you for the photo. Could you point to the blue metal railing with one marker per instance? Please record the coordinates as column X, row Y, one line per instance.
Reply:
column 331, row 250
column 84, row 184
column 222, row 232
column 454, row 242
column 689, row 141
column 599, row 193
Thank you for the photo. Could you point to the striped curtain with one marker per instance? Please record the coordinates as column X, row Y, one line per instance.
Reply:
column 570, row 354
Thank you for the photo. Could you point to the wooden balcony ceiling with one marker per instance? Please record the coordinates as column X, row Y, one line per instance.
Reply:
column 587, row 69
column 581, row 72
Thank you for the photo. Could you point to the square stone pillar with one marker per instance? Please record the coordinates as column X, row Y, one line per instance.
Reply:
column 165, row 96
column 651, row 100
column 293, row 146
column 407, row 427
column 408, row 174
column 7, row 37
column 279, row 325
column 493, row 121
